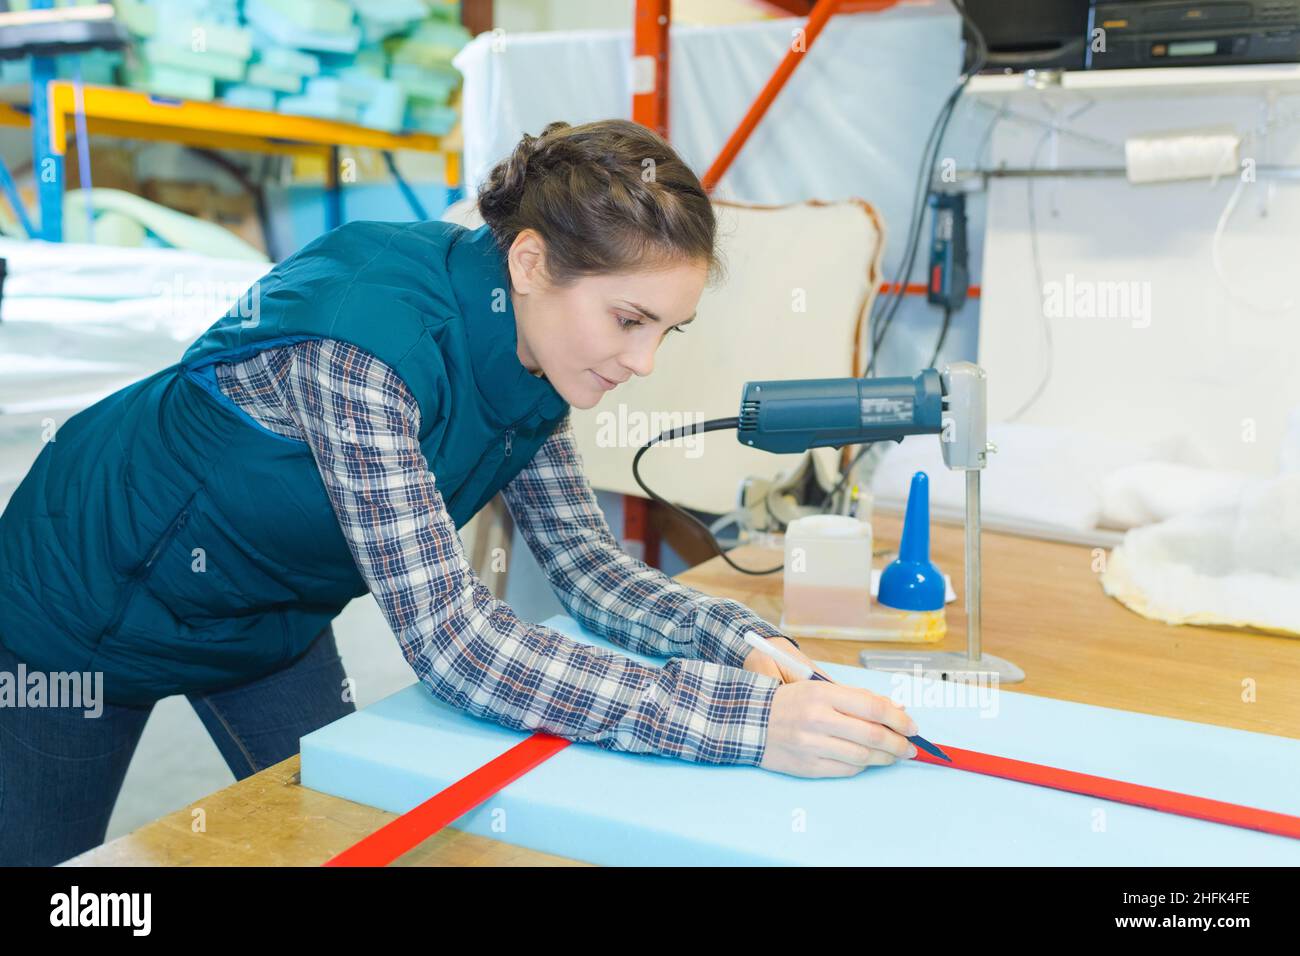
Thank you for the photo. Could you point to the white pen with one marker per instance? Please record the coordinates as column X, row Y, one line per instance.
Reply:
column 780, row 656
column 807, row 673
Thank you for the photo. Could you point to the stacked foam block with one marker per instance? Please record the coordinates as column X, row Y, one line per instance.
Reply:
column 380, row 63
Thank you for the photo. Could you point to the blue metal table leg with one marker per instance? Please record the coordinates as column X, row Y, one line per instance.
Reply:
column 333, row 192
column 46, row 164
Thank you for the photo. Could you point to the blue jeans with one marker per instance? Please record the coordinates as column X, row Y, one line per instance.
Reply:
column 61, row 771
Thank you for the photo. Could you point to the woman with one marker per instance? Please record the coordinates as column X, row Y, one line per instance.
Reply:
column 195, row 533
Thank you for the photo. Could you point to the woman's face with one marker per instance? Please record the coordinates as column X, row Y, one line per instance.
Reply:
column 599, row 331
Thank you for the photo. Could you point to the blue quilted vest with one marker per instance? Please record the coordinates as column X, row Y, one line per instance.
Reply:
column 99, row 567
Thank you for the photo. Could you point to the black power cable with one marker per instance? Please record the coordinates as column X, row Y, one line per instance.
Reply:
column 716, row 424
column 943, row 335
column 883, row 314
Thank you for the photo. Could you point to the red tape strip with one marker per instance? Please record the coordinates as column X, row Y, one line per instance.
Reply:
column 415, row 826
column 407, row 831
column 1166, row 801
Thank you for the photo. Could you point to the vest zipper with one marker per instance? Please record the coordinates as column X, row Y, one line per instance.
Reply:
column 510, row 434
column 171, row 532
column 141, row 572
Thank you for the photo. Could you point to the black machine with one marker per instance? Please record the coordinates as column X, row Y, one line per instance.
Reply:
column 1030, row 34
column 949, row 272
column 1164, row 33
column 1127, row 34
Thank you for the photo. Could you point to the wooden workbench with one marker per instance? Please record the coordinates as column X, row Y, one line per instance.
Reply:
column 1043, row 609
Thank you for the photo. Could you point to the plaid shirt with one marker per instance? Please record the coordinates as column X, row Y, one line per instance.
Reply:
column 470, row 649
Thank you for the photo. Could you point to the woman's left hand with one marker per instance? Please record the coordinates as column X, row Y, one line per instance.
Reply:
column 760, row 663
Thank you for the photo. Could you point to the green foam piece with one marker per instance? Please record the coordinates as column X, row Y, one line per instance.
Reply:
column 169, row 81
column 432, row 118
column 249, row 97
column 235, row 42
column 173, row 228
column 259, row 74
column 138, row 18
column 97, row 66
column 432, row 43
column 321, row 108
column 426, row 84
column 338, row 88
column 183, row 58
column 386, row 109
column 322, row 16
column 372, row 60
column 286, row 60
column 112, row 228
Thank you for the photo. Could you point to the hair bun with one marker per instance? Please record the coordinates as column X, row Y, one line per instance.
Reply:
column 501, row 193
column 583, row 190
column 555, row 127
column 526, row 147
column 529, row 146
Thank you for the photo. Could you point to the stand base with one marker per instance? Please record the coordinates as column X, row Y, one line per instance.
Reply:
column 943, row 665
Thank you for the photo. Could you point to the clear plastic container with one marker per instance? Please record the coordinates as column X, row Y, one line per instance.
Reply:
column 828, row 587
column 827, row 577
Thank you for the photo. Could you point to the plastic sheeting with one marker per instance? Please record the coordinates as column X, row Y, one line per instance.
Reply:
column 169, row 292
column 79, row 322
column 850, row 122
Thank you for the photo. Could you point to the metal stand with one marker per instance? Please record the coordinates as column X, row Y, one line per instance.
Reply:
column 973, row 666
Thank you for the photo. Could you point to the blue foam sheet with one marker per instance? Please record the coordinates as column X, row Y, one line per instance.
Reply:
column 611, row 808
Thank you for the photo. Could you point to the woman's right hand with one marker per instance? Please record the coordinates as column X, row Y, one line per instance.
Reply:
column 819, row 729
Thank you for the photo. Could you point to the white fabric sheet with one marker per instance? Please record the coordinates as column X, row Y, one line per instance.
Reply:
column 1228, row 551
column 1041, row 478
column 851, row 122
column 1237, row 565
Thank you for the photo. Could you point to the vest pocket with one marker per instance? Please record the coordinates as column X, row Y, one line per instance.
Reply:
column 142, row 571
column 177, row 523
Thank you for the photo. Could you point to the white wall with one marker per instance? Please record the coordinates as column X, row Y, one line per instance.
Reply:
column 1207, row 360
